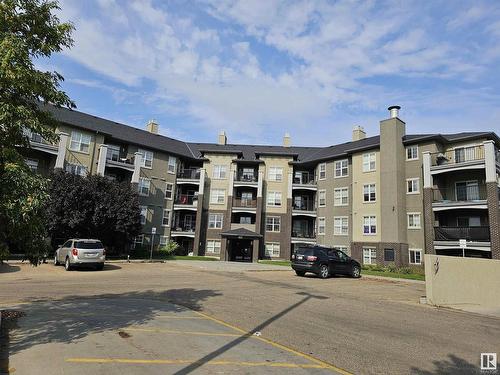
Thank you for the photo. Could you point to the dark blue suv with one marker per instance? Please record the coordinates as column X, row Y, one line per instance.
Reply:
column 324, row 261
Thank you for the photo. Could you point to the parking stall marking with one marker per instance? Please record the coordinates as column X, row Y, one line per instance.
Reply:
column 169, row 331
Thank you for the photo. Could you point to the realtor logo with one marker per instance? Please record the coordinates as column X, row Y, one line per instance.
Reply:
column 488, row 361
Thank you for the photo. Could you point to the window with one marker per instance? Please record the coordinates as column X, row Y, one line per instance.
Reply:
column 163, row 240
column 321, row 225
column 213, row 247
column 217, row 196
column 412, row 153
column 369, row 225
column 144, row 185
column 79, row 142
column 275, row 174
column 113, row 153
column 219, row 172
column 273, row 224
column 144, row 214
column 341, row 226
column 341, row 196
column 322, row 171
column 169, row 190
column 414, row 221
column 165, row 221
column 274, row 198
column 147, row 158
column 139, row 240
column 413, row 185
column 467, row 191
column 369, row 194
column 77, row 169
column 322, row 198
column 341, row 168
column 215, row 221
column 32, row 164
column 369, row 162
column 172, row 164
column 369, row 255
column 389, row 255
column 245, row 220
column 272, row 249
column 415, row 256
column 344, row 249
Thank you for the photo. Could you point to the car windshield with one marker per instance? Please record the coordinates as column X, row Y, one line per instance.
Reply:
column 88, row 245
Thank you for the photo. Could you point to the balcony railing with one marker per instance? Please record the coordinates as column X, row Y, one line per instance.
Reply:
column 304, row 179
column 462, row 233
column 470, row 194
column 245, row 177
column 189, row 173
column 458, row 155
column 304, row 206
column 118, row 159
column 303, row 234
column 247, row 203
column 184, row 228
column 187, row 199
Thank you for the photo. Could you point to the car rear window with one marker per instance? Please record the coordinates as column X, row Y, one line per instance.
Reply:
column 88, row 245
column 305, row 251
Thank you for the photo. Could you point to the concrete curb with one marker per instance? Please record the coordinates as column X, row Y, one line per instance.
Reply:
column 392, row 279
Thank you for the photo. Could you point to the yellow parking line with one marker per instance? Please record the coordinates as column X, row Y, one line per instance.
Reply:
column 280, row 346
column 196, row 333
column 178, row 317
column 186, row 361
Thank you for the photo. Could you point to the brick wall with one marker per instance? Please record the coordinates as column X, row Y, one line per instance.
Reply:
column 494, row 218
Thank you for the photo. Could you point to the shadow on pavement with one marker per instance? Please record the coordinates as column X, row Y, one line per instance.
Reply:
column 451, row 366
column 7, row 268
column 107, row 267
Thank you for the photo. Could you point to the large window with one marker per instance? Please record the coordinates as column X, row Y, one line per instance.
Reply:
column 273, row 224
column 341, row 225
column 144, row 214
column 322, row 171
column 32, row 164
column 341, row 168
column 413, row 185
column 147, row 158
column 369, row 193
column 272, row 249
column 412, row 153
column 389, row 255
column 79, row 142
column 215, row 221
column 369, row 225
column 217, row 196
column 414, row 220
column 321, row 225
column 369, row 255
column 275, row 174
column 274, row 199
column 213, row 247
column 415, row 256
column 369, row 163
column 169, row 190
column 219, row 172
column 77, row 169
column 165, row 221
column 144, row 186
column 341, row 196
column 322, row 198
column 467, row 191
column 172, row 164
column 113, row 153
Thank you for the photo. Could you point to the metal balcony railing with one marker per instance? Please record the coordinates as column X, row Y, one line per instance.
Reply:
column 118, row 159
column 184, row 228
column 189, row 173
column 246, row 177
column 304, row 179
column 187, row 199
column 304, row 206
column 303, row 234
column 462, row 233
column 247, row 203
column 468, row 194
column 458, row 155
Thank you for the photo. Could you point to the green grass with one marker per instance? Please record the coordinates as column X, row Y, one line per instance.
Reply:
column 285, row 263
column 410, row 276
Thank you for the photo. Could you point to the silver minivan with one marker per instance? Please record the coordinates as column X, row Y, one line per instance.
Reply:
column 81, row 252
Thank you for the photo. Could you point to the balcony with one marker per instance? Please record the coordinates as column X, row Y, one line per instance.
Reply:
column 307, row 208
column 303, row 236
column 477, row 234
column 460, row 158
column 186, row 201
column 114, row 161
column 468, row 196
column 183, row 231
column 304, row 180
column 250, row 227
column 246, row 179
column 244, row 203
column 189, row 175
column 40, row 144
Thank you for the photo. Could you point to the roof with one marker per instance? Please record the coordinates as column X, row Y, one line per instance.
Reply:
column 241, row 232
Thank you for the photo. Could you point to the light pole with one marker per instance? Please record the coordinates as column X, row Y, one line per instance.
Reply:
column 153, row 232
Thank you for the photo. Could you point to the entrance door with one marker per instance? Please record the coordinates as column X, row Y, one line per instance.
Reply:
column 240, row 250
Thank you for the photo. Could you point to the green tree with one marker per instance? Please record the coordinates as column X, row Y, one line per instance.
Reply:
column 28, row 31
column 93, row 207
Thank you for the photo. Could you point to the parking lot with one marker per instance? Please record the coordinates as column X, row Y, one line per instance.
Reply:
column 195, row 318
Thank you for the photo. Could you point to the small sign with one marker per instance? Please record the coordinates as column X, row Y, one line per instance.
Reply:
column 463, row 243
column 153, row 230
column 488, row 361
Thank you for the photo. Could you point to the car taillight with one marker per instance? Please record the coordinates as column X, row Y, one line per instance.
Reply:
column 311, row 258
column 74, row 252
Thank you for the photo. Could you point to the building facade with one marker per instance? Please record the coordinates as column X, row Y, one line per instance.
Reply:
column 382, row 199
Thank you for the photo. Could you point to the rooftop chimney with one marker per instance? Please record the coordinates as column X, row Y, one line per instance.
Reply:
column 394, row 110
column 152, row 127
column 222, row 138
column 358, row 133
column 287, row 141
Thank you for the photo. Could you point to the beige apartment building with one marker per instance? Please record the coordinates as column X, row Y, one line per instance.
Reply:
column 383, row 199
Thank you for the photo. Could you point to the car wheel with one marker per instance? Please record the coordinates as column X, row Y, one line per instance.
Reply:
column 67, row 265
column 300, row 273
column 355, row 272
column 323, row 271
column 56, row 262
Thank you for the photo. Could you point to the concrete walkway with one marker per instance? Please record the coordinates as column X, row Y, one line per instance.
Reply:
column 228, row 266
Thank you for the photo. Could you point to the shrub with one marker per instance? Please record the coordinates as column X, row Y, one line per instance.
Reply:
column 169, row 248
column 391, row 268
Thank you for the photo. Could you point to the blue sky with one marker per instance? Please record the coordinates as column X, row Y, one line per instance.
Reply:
column 258, row 69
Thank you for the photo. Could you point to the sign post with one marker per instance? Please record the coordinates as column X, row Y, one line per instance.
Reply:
column 153, row 232
column 463, row 245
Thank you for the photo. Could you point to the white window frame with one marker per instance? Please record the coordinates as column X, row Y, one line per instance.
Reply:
column 163, row 240
column 371, row 258
column 414, row 215
column 322, row 197
column 370, row 192
column 217, row 196
column 144, row 183
column 219, row 172
column 168, row 216
column 147, row 158
column 369, row 162
column 80, row 142
column 215, row 221
column 412, row 148
column 144, row 214
column 213, row 247
column 172, row 164
column 412, row 181
column 338, row 196
column 415, row 251
column 274, row 222
column 321, row 225
column 171, row 190
column 322, row 171
column 275, row 174
column 274, row 199
column 339, row 229
column 372, row 222
column 272, row 253
column 76, row 169
column 341, row 169
column 139, row 242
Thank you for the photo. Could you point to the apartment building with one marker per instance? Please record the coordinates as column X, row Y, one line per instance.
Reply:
column 383, row 199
